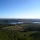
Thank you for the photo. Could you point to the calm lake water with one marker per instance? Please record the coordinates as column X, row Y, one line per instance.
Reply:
column 16, row 23
column 22, row 22
column 36, row 22
column 19, row 22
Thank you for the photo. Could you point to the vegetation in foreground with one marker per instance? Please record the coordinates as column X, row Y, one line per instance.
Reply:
column 6, row 34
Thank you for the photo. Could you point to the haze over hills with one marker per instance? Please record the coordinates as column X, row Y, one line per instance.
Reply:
column 20, row 20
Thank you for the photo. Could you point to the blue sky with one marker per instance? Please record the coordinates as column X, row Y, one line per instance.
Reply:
column 19, row 8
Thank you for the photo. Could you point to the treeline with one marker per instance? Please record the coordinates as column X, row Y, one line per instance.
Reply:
column 33, row 27
column 5, row 25
column 20, row 20
column 29, row 27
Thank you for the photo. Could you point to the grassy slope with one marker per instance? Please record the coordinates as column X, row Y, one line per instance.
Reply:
column 4, row 35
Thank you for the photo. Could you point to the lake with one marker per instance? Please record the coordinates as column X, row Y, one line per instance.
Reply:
column 36, row 22
column 15, row 23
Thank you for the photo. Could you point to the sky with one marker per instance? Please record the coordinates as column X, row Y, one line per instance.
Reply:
column 20, row 9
